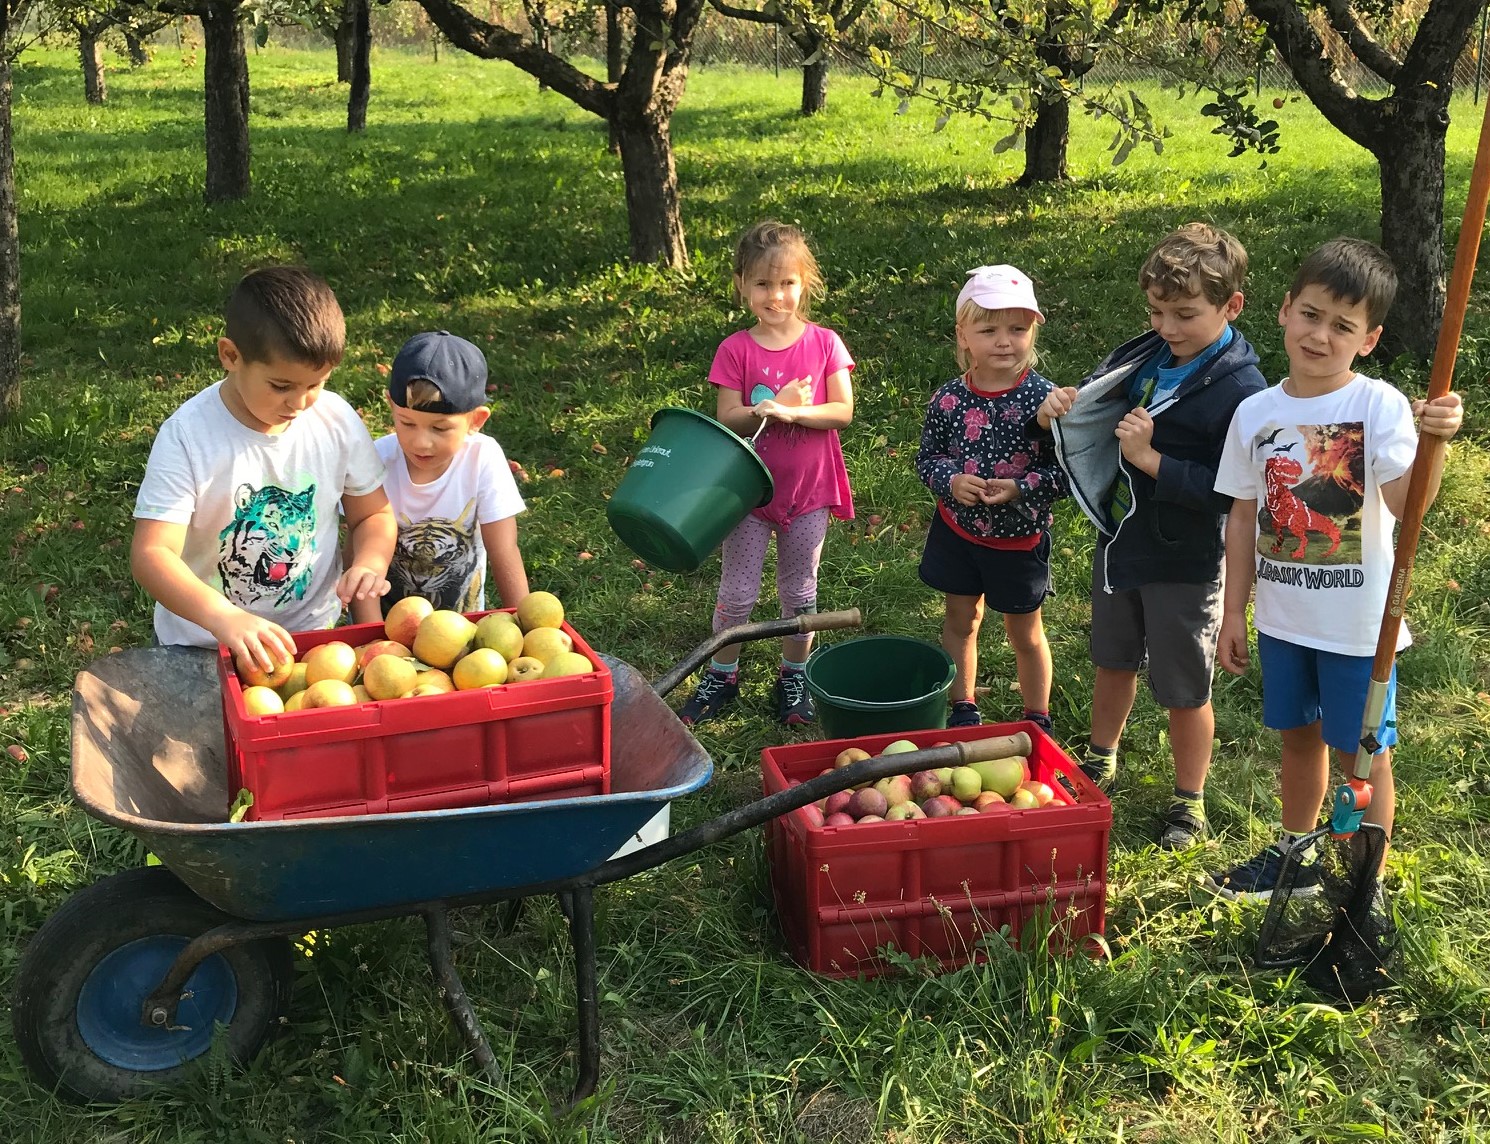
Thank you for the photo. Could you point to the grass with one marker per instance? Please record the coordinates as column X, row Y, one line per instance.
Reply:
column 477, row 204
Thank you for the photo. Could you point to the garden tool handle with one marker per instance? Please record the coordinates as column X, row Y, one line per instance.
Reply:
column 997, row 747
column 1440, row 381
column 745, row 633
column 828, row 621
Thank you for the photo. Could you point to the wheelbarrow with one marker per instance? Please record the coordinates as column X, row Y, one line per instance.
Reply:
column 139, row 974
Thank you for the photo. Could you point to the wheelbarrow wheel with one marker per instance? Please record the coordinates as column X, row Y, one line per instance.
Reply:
column 83, row 978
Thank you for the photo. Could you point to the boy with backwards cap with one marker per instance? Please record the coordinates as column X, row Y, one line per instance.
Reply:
column 450, row 485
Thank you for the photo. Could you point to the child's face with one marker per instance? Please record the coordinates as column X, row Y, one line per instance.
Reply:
column 997, row 345
column 1324, row 334
column 773, row 291
column 1188, row 323
column 267, row 395
column 430, row 441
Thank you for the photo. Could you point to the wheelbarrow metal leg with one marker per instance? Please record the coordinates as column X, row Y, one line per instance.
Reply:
column 457, row 1002
column 581, row 910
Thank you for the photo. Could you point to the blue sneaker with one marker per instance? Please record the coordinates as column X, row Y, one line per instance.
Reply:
column 793, row 704
column 964, row 714
column 715, row 691
column 1257, row 878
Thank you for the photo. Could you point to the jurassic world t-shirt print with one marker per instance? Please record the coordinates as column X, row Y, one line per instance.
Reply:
column 1315, row 467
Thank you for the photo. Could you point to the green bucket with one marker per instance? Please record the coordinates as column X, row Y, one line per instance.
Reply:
column 689, row 486
column 875, row 684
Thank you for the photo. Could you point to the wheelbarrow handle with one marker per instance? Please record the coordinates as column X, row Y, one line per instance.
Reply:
column 746, row 633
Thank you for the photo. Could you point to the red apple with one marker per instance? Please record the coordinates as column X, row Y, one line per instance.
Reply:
column 868, row 801
column 839, row 819
column 837, row 802
column 924, row 785
column 941, row 806
column 1043, row 794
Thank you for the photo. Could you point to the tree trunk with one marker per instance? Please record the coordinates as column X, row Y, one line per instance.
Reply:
column 1411, row 161
column 90, row 52
column 344, row 36
column 226, row 88
column 1046, row 145
column 361, row 66
column 615, row 61
column 10, row 246
column 815, row 78
column 652, row 213
column 138, row 55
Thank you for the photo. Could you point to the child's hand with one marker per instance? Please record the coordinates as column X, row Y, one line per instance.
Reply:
column 773, row 410
column 360, row 583
column 1440, row 417
column 968, row 489
column 253, row 639
column 1135, row 434
column 1000, row 490
column 1231, row 644
column 1057, row 404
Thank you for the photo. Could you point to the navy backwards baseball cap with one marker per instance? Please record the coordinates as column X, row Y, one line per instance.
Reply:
column 452, row 365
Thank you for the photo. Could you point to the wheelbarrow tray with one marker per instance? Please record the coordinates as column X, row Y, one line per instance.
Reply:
column 147, row 756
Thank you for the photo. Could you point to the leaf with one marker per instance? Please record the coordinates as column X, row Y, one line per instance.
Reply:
column 1007, row 142
column 903, row 107
column 261, row 35
column 941, row 121
column 241, row 802
column 812, row 59
column 1122, row 153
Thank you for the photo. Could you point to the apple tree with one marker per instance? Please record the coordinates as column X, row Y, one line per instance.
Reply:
column 13, row 16
column 812, row 25
column 638, row 106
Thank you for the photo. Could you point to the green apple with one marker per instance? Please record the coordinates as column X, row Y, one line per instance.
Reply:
column 1002, row 776
column 967, row 784
column 900, row 747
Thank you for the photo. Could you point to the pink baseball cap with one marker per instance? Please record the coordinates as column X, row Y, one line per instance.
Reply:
column 1000, row 288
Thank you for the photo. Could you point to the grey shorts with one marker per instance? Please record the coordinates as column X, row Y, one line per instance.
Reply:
column 1172, row 627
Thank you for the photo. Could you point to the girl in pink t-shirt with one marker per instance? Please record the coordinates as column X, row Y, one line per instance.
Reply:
column 794, row 376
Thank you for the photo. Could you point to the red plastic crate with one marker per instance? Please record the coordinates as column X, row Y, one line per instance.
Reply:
column 540, row 739
column 933, row 887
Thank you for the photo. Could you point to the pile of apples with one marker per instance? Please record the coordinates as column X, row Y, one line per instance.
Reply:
column 424, row 651
column 995, row 786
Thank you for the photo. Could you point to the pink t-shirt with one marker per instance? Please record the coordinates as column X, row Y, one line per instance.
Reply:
column 806, row 464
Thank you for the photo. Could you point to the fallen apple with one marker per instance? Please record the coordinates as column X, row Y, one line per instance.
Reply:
column 814, row 814
column 871, row 818
column 329, row 693
column 252, row 675
column 443, row 638
column 390, row 676
column 988, row 798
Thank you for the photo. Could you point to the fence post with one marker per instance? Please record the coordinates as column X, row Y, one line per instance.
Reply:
column 1479, row 58
column 776, row 50
column 1257, row 83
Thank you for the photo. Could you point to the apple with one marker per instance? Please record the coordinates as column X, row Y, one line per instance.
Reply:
column 252, row 675
column 483, row 667
column 967, row 784
column 330, row 693
column 924, row 785
column 443, row 638
column 895, row 788
column 296, row 702
column 814, row 813
column 361, row 694
column 965, row 810
column 988, row 798
column 546, row 643
column 900, row 747
column 261, row 700
column 539, row 610
column 941, row 806
column 390, row 676
column 295, row 684
column 1001, row 776
column 1043, row 794
column 868, row 801
column 567, row 663
column 837, row 802
column 401, row 624
column 905, row 812
column 1023, row 799
column 850, row 755
column 871, row 818
column 333, row 660
column 437, row 680
column 839, row 819
column 524, row 668
column 499, row 631
column 369, row 652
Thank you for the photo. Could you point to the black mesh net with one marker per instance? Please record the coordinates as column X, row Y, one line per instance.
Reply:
column 1328, row 915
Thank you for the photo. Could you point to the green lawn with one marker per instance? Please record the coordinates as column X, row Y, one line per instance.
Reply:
column 477, row 204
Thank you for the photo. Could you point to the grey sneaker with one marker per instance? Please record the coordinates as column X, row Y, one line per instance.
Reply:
column 1183, row 825
column 1101, row 769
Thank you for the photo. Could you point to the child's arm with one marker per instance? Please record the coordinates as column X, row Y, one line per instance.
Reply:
column 1241, row 567
column 1057, row 404
column 508, row 575
column 934, row 464
column 155, row 560
column 835, row 413
column 371, row 534
column 1441, row 417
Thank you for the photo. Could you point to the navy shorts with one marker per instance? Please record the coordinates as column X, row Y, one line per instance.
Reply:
column 1303, row 685
column 1010, row 581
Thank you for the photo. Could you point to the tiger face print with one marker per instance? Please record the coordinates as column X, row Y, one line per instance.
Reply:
column 437, row 559
column 267, row 552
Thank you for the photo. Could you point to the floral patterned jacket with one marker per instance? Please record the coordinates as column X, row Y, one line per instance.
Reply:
column 969, row 431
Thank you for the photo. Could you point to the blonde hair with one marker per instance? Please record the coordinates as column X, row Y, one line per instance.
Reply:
column 774, row 243
column 1195, row 259
column 970, row 313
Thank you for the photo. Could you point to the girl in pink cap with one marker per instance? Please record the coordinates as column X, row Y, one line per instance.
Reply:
column 789, row 378
column 989, row 542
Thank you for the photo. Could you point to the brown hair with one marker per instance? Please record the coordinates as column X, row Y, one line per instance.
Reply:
column 1195, row 259
column 773, row 242
column 1352, row 270
column 422, row 394
column 288, row 312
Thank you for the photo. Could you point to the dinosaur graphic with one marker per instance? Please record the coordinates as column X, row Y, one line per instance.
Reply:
column 1291, row 514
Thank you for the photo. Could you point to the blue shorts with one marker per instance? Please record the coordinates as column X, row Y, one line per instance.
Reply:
column 1303, row 685
column 1012, row 581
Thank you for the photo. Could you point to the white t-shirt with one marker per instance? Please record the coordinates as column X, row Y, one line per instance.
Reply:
column 1315, row 467
column 261, row 511
column 440, row 554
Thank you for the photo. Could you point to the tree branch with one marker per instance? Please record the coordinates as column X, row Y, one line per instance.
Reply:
column 494, row 42
column 750, row 15
column 1441, row 35
column 1358, row 38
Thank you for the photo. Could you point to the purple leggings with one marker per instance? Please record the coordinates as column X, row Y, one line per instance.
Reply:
column 798, row 550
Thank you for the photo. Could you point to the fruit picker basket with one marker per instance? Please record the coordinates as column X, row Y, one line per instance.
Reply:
column 934, row 887
column 537, row 739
